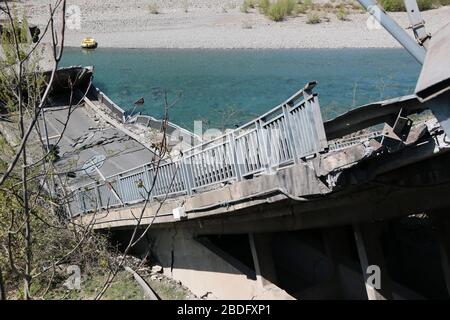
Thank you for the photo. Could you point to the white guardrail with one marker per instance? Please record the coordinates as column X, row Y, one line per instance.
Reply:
column 289, row 132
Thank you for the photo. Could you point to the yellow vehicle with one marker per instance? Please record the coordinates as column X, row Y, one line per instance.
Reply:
column 89, row 43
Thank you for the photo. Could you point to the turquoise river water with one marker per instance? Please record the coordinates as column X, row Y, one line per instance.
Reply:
column 229, row 87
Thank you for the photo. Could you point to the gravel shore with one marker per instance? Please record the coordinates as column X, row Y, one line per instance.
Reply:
column 216, row 24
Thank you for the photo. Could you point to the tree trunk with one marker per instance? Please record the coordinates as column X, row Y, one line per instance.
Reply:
column 26, row 212
column 26, row 209
column 2, row 287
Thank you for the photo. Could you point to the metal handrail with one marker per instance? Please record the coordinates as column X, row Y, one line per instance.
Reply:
column 293, row 131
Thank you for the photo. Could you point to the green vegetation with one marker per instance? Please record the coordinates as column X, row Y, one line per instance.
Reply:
column 168, row 289
column 264, row 6
column 313, row 18
column 275, row 11
column 392, row 5
column 398, row 5
column 51, row 242
column 37, row 243
column 342, row 13
column 300, row 9
column 31, row 83
column 428, row 4
column 124, row 287
column 247, row 4
column 280, row 9
column 307, row 3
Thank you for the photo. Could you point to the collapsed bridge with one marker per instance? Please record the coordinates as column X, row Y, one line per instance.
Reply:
column 289, row 206
column 258, row 180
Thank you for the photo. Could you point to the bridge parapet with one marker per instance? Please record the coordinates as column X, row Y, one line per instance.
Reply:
column 288, row 133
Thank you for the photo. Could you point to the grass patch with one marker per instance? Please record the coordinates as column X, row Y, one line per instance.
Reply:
column 301, row 9
column 313, row 18
column 168, row 289
column 399, row 6
column 124, row 287
column 342, row 14
column 264, row 6
column 280, row 9
column 392, row 5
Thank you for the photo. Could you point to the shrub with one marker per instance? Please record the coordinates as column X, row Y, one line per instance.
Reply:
column 280, row 9
column 398, row 5
column 341, row 14
column 313, row 18
column 264, row 6
column 304, row 6
column 392, row 5
column 301, row 9
column 288, row 6
column 244, row 7
column 427, row 4
column 276, row 12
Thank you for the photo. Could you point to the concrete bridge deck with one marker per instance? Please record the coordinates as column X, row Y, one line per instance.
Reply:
column 326, row 192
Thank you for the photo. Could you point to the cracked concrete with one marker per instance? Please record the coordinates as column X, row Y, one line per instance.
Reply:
column 86, row 136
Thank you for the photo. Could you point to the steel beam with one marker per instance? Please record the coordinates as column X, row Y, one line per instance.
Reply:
column 417, row 23
column 394, row 29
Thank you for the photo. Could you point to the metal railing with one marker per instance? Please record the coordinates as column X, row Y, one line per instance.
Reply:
column 291, row 131
column 114, row 108
column 156, row 124
column 340, row 144
column 144, row 120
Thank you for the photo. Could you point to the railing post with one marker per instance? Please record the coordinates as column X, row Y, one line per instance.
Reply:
column 290, row 136
column 262, row 145
column 187, row 174
column 99, row 198
column 145, row 175
column 234, row 156
column 81, row 200
column 120, row 191
column 78, row 202
column 312, row 101
column 149, row 176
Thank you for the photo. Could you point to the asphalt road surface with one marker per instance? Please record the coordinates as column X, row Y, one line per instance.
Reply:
column 85, row 138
